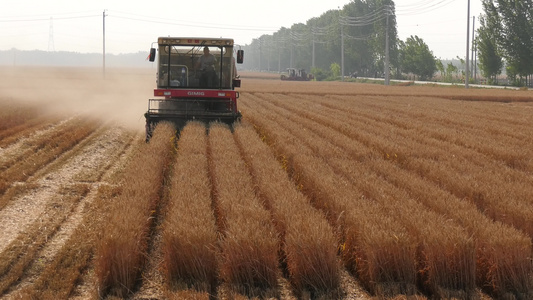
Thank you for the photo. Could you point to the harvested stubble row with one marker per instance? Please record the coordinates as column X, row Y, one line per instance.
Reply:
column 42, row 151
column 464, row 172
column 497, row 269
column 21, row 253
column 13, row 134
column 438, row 255
column 308, row 243
column 190, row 232
column 15, row 114
column 61, row 276
column 249, row 246
column 124, row 243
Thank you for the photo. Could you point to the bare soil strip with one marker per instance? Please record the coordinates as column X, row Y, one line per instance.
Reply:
column 90, row 157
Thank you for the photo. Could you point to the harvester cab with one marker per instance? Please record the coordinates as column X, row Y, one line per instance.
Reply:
column 196, row 80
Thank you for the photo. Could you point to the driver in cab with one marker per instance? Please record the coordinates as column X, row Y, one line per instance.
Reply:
column 206, row 64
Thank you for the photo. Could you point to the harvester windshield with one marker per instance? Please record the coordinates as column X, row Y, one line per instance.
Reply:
column 194, row 63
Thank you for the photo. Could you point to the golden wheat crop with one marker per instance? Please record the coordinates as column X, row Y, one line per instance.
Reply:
column 249, row 260
column 374, row 142
column 190, row 233
column 123, row 245
column 308, row 243
column 325, row 190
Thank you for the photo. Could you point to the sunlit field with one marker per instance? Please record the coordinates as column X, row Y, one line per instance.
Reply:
column 324, row 190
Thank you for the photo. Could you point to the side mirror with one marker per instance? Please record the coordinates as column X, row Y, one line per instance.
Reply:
column 152, row 55
column 240, row 56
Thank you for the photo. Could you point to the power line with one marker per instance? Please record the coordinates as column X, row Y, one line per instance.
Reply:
column 45, row 19
column 365, row 20
column 158, row 20
column 421, row 7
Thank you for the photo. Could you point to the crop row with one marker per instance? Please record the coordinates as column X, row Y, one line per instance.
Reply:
column 190, row 232
column 354, row 200
column 233, row 218
column 121, row 252
column 331, row 138
column 249, row 260
column 308, row 246
column 444, row 161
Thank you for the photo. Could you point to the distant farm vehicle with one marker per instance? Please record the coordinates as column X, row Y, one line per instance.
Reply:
column 293, row 74
column 191, row 87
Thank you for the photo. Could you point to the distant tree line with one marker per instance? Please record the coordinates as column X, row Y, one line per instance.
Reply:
column 358, row 32
column 360, row 26
column 505, row 37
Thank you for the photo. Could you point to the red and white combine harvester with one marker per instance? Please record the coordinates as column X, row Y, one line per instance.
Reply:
column 196, row 80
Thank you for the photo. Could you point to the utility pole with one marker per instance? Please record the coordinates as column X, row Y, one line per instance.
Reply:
column 51, row 46
column 467, row 71
column 473, row 48
column 313, row 56
column 103, row 54
column 291, row 64
column 342, row 49
column 279, row 56
column 387, row 71
column 260, row 54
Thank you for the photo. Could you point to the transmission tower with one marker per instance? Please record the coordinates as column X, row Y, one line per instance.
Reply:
column 51, row 46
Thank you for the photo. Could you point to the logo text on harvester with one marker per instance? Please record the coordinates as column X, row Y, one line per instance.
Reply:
column 195, row 93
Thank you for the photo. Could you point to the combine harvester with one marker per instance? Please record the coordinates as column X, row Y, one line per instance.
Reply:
column 196, row 80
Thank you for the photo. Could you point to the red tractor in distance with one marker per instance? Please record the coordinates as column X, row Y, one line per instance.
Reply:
column 190, row 87
column 293, row 74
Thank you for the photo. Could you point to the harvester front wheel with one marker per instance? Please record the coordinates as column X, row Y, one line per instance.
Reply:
column 149, row 127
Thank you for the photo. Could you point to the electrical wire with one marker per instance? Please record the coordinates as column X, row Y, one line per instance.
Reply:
column 421, row 7
column 159, row 20
column 47, row 19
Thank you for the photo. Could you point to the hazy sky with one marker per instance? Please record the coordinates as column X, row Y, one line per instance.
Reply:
column 132, row 26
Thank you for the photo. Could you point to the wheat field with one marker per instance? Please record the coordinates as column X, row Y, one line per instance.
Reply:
column 324, row 190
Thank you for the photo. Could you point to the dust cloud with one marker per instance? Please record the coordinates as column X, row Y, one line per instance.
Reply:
column 119, row 96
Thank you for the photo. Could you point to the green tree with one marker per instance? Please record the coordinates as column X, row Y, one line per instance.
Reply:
column 450, row 71
column 490, row 60
column 416, row 58
column 440, row 67
column 364, row 40
column 335, row 69
column 513, row 29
